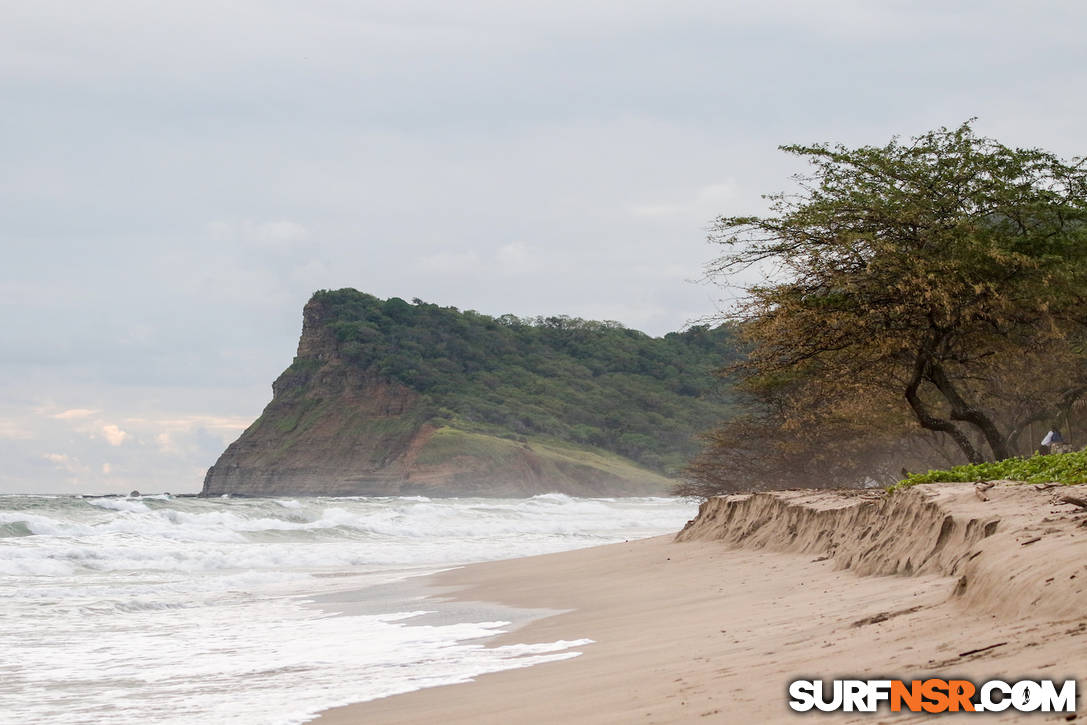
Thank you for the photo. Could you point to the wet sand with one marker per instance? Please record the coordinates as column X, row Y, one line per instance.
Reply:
column 709, row 631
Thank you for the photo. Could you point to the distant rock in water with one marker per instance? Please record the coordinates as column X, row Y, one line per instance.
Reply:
column 391, row 398
column 134, row 494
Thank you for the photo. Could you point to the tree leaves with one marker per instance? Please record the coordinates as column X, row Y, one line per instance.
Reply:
column 918, row 271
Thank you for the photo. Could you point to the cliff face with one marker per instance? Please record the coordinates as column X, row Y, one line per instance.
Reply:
column 333, row 428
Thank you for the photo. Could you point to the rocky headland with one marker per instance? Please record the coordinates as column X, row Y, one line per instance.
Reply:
column 389, row 399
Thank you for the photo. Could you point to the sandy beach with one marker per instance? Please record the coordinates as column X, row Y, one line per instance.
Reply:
column 765, row 589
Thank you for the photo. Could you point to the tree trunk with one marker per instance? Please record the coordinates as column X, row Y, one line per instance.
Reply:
column 931, row 422
column 961, row 410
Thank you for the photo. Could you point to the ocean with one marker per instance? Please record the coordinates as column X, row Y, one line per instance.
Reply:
column 161, row 609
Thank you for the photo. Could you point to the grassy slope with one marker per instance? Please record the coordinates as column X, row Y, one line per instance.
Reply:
column 448, row 443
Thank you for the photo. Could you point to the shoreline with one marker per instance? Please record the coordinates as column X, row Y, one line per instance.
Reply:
column 707, row 631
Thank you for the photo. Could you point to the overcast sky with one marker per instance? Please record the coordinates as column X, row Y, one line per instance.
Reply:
column 176, row 178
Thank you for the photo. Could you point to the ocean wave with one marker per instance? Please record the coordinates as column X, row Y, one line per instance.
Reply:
column 205, row 607
column 14, row 528
column 118, row 504
column 415, row 517
column 193, row 535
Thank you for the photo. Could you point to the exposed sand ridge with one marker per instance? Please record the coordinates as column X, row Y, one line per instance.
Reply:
column 1022, row 551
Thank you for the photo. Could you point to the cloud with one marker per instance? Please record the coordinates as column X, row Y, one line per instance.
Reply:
column 508, row 259
column 12, row 430
column 75, row 414
column 115, row 449
column 637, row 314
column 77, row 418
column 516, row 257
column 229, row 423
column 705, row 204
column 175, row 433
column 451, row 262
column 65, row 462
column 279, row 234
column 535, row 158
column 166, row 443
column 114, row 435
column 72, row 471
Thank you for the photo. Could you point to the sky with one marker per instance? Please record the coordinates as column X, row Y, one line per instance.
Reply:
column 177, row 178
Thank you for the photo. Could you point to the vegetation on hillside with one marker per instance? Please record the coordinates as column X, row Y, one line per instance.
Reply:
column 926, row 298
column 592, row 383
column 1066, row 468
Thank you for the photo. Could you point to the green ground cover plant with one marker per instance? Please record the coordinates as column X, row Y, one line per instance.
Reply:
column 1066, row 468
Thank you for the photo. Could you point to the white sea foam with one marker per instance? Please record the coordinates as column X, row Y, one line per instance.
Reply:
column 118, row 504
column 128, row 610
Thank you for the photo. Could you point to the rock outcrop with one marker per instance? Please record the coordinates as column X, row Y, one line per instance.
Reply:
column 335, row 429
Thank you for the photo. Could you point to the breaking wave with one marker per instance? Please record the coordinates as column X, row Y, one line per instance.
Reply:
column 164, row 605
column 113, row 533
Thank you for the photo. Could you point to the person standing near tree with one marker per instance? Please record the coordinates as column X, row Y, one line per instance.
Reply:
column 1053, row 442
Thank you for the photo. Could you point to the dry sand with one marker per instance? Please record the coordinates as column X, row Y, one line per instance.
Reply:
column 712, row 628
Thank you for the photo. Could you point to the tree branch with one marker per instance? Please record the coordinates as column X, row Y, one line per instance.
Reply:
column 929, row 421
column 960, row 410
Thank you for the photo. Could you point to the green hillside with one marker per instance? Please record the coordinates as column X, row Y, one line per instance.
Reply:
column 594, row 384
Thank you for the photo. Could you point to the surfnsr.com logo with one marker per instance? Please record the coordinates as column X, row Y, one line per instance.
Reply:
column 932, row 695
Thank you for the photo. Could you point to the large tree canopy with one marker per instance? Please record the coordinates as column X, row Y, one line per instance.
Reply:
column 941, row 280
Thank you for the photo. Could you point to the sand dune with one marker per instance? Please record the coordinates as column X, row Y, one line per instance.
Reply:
column 759, row 590
column 1022, row 551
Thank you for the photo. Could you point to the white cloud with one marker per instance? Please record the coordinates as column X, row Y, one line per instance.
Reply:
column 279, row 234
column 516, row 257
column 114, row 435
column 171, row 437
column 77, row 417
column 115, row 450
column 165, row 443
column 705, row 204
column 636, row 314
column 451, row 262
column 280, row 231
column 191, row 422
column 65, row 462
column 12, row 430
column 508, row 259
column 75, row 414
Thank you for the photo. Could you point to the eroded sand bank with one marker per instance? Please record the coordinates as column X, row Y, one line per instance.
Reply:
column 760, row 590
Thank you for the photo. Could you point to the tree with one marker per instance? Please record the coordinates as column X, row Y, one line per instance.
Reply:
column 920, row 275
